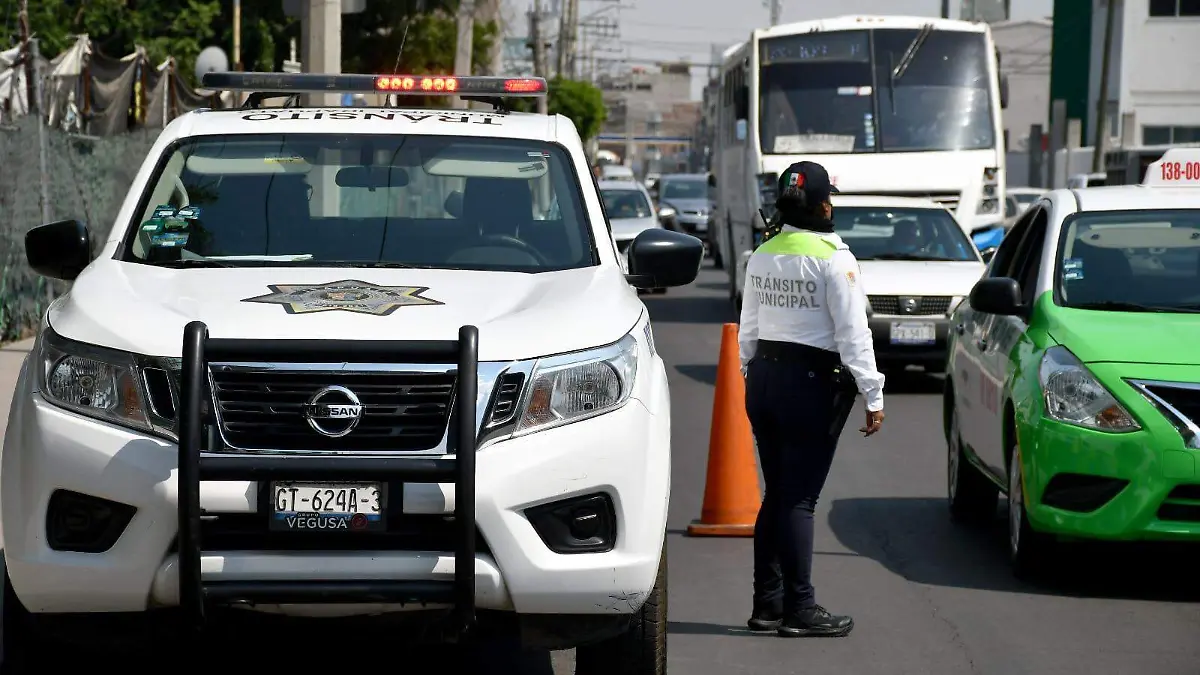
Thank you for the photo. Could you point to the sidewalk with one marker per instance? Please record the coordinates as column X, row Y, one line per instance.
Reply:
column 11, row 356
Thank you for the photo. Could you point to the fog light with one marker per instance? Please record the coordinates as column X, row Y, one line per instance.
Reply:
column 83, row 523
column 584, row 524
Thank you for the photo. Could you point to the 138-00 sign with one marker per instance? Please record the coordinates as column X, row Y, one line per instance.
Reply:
column 326, row 506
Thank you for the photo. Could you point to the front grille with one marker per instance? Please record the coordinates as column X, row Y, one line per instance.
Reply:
column 1184, row 399
column 925, row 306
column 947, row 199
column 263, row 409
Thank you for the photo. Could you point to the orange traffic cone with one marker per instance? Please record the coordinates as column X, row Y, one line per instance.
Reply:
column 731, row 494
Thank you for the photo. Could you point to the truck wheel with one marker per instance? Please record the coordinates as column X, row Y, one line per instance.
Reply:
column 642, row 648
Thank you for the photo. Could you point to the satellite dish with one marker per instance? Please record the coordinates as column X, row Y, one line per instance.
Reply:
column 211, row 60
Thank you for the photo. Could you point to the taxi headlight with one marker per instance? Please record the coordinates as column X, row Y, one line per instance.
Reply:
column 94, row 381
column 1074, row 396
column 576, row 386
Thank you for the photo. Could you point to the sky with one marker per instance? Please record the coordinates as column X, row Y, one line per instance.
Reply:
column 656, row 30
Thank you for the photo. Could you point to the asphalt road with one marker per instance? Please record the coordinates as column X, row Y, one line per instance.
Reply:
column 928, row 597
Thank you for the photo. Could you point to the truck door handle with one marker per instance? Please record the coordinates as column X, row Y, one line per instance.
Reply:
column 960, row 329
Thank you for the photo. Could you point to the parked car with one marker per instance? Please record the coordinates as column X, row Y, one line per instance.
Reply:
column 690, row 198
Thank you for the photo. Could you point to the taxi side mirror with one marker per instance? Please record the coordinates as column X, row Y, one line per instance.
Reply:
column 997, row 295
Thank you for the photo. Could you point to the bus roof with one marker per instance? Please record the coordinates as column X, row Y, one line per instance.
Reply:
column 864, row 21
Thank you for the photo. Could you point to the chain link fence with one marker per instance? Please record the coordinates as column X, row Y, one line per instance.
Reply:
column 87, row 180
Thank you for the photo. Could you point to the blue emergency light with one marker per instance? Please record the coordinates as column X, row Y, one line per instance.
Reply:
column 412, row 85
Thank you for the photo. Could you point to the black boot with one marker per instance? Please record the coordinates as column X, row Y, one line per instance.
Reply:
column 815, row 622
column 765, row 620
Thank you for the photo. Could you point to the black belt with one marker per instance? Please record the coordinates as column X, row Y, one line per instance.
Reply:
column 795, row 352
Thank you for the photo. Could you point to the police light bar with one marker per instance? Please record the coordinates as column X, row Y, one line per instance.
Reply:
column 1178, row 167
column 413, row 85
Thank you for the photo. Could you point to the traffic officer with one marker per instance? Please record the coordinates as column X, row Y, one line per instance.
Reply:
column 806, row 351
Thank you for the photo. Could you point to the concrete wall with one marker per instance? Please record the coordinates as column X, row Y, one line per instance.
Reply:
column 1156, row 66
column 1024, row 48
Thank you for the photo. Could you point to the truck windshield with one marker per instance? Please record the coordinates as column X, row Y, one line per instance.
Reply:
column 1130, row 261
column 853, row 91
column 363, row 201
column 885, row 233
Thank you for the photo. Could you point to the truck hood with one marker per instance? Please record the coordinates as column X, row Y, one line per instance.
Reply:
column 143, row 309
column 1126, row 337
column 903, row 277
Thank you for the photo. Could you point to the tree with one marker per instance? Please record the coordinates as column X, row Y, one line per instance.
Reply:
column 579, row 101
column 178, row 28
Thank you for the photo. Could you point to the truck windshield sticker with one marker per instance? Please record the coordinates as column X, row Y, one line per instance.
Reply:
column 1072, row 269
column 348, row 296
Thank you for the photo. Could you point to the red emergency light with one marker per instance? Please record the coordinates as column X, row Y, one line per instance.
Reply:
column 418, row 85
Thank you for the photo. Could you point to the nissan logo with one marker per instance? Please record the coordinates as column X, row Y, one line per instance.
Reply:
column 908, row 305
column 333, row 411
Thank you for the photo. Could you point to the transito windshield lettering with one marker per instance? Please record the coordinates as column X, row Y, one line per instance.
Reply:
column 1125, row 261
column 621, row 204
column 363, row 201
column 843, row 102
column 915, row 234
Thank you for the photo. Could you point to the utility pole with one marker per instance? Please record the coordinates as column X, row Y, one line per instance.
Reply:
column 35, row 56
column 539, row 51
column 567, row 28
column 776, row 10
column 462, row 53
column 1102, row 100
column 945, row 9
column 30, row 86
column 237, row 35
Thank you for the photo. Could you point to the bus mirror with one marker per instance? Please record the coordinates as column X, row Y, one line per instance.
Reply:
column 741, row 103
column 1003, row 91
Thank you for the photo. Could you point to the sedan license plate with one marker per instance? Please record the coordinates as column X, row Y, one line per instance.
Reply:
column 913, row 333
column 327, row 506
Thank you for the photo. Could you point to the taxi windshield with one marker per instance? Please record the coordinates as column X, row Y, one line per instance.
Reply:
column 620, row 204
column 1134, row 261
column 881, row 233
column 363, row 201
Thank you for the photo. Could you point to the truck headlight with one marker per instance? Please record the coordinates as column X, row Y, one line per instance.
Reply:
column 989, row 201
column 576, row 386
column 1074, row 396
column 94, row 381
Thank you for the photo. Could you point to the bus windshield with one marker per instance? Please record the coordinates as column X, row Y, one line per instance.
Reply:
column 852, row 92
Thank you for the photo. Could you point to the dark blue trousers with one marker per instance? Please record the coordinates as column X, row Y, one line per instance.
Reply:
column 797, row 412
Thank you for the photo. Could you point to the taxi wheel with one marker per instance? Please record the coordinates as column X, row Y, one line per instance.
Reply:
column 972, row 497
column 642, row 648
column 1029, row 551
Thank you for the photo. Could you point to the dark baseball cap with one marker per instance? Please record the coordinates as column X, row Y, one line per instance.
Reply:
column 809, row 178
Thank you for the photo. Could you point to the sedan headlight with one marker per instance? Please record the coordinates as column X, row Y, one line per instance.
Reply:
column 1074, row 396
column 94, row 381
column 576, row 386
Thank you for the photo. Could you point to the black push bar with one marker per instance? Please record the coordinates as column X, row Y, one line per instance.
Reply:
column 199, row 350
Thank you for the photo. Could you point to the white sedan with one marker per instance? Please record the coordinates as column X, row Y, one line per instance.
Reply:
column 630, row 212
column 917, row 266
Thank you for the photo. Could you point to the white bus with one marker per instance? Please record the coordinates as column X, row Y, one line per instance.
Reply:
column 890, row 105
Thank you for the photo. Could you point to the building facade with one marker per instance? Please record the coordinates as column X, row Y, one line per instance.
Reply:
column 1024, row 48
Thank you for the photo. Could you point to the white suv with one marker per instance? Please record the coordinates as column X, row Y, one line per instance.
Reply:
column 346, row 361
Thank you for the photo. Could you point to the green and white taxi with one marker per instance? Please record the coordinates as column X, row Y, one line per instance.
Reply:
column 1073, row 381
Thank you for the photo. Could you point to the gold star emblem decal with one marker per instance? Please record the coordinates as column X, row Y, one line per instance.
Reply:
column 346, row 296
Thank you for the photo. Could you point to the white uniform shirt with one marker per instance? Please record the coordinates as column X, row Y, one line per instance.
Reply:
column 804, row 287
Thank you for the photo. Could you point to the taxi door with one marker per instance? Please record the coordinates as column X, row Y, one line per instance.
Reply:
column 1003, row 334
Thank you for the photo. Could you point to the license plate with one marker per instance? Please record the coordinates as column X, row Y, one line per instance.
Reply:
column 327, row 507
column 905, row 333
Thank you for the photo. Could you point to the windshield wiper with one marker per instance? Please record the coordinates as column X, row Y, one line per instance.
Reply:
column 1117, row 306
column 366, row 264
column 912, row 256
column 192, row 262
column 910, row 53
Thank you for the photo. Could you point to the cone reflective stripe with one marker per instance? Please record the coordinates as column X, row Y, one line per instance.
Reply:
column 731, row 492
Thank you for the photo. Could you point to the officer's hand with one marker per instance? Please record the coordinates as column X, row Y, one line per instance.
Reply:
column 874, row 422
